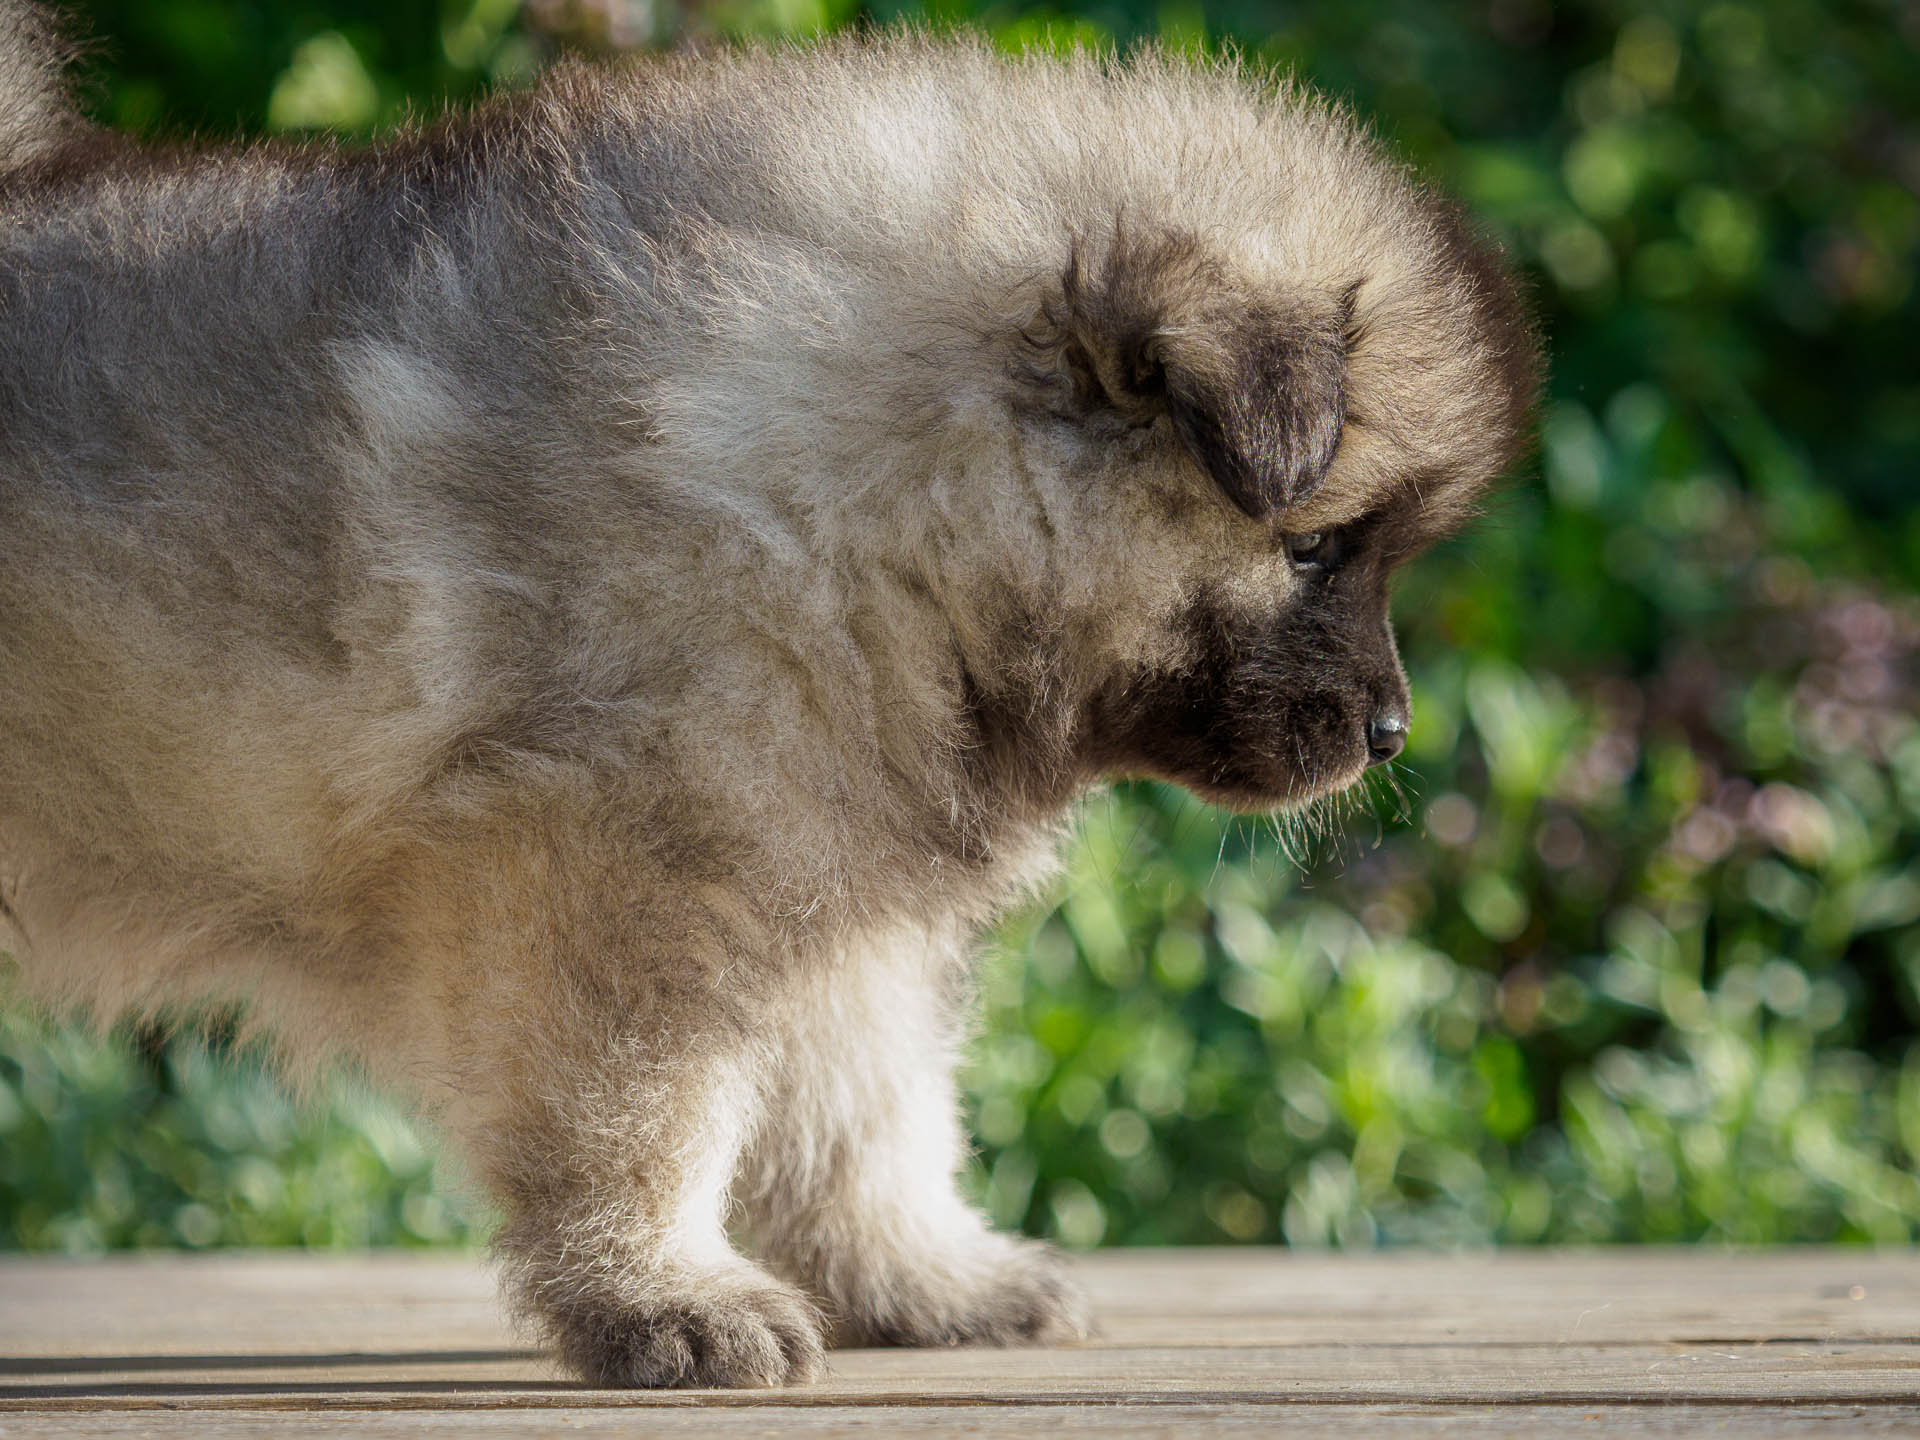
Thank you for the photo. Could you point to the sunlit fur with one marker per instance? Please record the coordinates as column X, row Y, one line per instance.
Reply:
column 584, row 610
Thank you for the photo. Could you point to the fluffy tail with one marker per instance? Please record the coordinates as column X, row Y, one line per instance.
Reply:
column 37, row 110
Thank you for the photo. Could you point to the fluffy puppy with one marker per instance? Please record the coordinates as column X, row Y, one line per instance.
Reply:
column 585, row 609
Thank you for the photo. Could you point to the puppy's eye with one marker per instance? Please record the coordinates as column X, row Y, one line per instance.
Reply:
column 1307, row 549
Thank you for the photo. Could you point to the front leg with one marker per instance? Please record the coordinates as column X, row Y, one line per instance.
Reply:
column 606, row 1068
column 850, row 1182
column 615, row 1243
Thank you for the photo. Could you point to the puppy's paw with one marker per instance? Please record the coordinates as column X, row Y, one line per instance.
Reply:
column 713, row 1330
column 1018, row 1293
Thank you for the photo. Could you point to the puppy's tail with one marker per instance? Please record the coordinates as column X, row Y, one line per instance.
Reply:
column 37, row 110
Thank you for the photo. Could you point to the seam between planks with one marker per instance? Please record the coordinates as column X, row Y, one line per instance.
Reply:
column 365, row 1400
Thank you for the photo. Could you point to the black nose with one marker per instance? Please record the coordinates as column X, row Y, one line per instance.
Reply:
column 1386, row 737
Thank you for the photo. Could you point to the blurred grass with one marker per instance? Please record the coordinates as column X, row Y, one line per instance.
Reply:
column 1629, row 949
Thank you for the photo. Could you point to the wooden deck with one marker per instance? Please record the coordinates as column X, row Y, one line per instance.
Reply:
column 1228, row 1341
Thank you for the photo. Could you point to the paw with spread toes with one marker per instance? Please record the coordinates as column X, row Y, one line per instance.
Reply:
column 708, row 1332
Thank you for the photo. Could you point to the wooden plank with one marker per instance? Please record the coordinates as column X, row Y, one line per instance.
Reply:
column 1150, row 1295
column 1174, row 1422
column 1279, row 1297
column 1200, row 1297
column 1311, row 1340
column 1361, row 1374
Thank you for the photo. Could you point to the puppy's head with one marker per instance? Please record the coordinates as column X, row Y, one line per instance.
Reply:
column 1252, row 442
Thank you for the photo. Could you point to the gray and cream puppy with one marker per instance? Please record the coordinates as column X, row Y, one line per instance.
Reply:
column 586, row 608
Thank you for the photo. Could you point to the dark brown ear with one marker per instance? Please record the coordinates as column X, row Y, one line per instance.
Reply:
column 1255, row 389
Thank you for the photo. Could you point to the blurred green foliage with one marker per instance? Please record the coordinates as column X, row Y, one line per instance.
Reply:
column 106, row 1144
column 1628, row 948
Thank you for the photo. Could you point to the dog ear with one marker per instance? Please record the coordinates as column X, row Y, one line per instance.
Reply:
column 1258, row 394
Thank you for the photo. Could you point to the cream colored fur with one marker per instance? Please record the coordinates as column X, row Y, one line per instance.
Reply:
column 587, row 609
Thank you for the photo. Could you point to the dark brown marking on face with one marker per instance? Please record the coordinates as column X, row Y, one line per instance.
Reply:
column 1269, row 708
